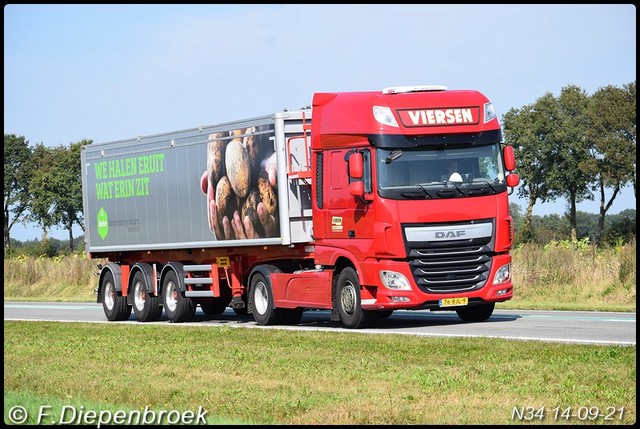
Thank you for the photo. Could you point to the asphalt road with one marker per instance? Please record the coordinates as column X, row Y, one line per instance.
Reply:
column 580, row 327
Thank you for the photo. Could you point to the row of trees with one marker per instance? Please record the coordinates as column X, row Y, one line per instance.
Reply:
column 42, row 185
column 570, row 146
column 619, row 228
column 573, row 146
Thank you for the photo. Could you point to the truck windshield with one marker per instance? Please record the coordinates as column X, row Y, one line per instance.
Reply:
column 442, row 171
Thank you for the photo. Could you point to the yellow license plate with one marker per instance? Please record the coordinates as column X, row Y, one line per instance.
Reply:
column 452, row 302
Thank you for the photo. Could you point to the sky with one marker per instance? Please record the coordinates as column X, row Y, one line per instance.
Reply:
column 108, row 72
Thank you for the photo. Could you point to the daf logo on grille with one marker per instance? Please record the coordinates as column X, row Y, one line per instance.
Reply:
column 449, row 234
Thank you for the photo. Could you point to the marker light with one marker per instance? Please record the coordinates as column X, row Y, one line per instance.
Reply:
column 384, row 116
column 489, row 112
column 393, row 280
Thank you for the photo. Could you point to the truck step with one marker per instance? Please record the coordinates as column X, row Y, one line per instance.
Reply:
column 197, row 267
column 199, row 294
column 198, row 281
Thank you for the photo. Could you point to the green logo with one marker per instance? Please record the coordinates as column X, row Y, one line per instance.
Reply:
column 103, row 223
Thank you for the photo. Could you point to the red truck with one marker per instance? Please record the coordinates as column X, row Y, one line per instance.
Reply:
column 366, row 203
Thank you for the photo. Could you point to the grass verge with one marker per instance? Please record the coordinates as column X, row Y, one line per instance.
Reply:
column 283, row 377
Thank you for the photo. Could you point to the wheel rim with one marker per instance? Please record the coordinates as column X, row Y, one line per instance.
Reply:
column 348, row 297
column 260, row 297
column 109, row 296
column 171, row 298
column 139, row 295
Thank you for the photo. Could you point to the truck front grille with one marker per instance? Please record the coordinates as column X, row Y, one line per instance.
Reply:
column 450, row 257
column 450, row 269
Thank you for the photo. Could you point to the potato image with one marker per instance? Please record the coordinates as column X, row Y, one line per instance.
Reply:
column 252, row 145
column 237, row 166
column 267, row 193
column 226, row 202
column 215, row 157
column 250, row 208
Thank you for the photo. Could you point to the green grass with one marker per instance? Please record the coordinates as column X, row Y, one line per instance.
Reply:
column 284, row 377
column 41, row 409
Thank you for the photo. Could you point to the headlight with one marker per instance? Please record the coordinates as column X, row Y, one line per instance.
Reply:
column 384, row 116
column 394, row 280
column 489, row 112
column 503, row 274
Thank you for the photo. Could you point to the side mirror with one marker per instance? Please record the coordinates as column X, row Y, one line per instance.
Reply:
column 509, row 158
column 356, row 166
column 356, row 188
column 513, row 180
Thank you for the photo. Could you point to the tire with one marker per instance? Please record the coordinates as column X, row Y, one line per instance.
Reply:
column 177, row 307
column 114, row 305
column 214, row 307
column 477, row 313
column 348, row 301
column 261, row 301
column 147, row 308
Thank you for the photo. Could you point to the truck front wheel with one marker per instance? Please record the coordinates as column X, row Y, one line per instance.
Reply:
column 261, row 301
column 146, row 307
column 178, row 307
column 115, row 306
column 349, row 302
column 478, row 313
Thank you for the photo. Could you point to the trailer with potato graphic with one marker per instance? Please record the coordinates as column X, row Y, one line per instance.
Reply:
column 341, row 207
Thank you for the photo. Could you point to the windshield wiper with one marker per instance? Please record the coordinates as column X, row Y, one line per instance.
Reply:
column 424, row 190
column 393, row 156
column 448, row 192
column 485, row 182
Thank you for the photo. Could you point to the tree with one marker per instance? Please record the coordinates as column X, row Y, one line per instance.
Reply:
column 69, row 206
column 532, row 132
column 42, row 187
column 612, row 133
column 569, row 174
column 16, row 179
column 56, row 187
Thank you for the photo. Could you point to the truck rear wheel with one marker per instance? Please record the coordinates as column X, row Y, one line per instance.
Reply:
column 115, row 306
column 261, row 301
column 349, row 302
column 478, row 313
column 147, row 308
column 178, row 307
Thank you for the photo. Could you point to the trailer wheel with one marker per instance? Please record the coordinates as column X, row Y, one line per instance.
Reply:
column 115, row 306
column 478, row 313
column 146, row 307
column 261, row 301
column 178, row 307
column 348, row 301
column 214, row 307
